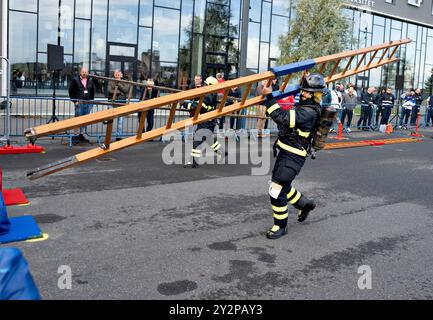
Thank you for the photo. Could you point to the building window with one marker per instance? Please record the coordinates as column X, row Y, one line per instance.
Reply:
column 416, row 3
column 389, row 1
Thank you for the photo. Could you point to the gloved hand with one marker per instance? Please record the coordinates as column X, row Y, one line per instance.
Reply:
column 267, row 90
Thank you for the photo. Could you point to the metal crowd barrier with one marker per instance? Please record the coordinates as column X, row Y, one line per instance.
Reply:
column 26, row 112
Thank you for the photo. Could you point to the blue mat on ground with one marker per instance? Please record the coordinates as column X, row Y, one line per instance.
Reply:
column 21, row 229
column 18, row 228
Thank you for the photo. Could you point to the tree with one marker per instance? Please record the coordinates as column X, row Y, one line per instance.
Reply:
column 428, row 85
column 319, row 29
column 215, row 34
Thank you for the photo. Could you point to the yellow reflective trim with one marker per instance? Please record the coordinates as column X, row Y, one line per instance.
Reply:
column 292, row 114
column 275, row 228
column 44, row 237
column 195, row 155
column 215, row 144
column 196, row 151
column 273, row 108
column 291, row 193
column 303, row 133
column 217, row 148
column 302, row 153
column 281, row 216
column 295, row 199
column 279, row 209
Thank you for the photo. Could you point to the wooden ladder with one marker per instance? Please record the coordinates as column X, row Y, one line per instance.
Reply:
column 345, row 61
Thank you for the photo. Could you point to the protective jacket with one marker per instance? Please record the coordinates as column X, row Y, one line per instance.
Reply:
column 367, row 99
column 209, row 104
column 295, row 127
column 387, row 100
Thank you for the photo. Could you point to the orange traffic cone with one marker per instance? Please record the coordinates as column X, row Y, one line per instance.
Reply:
column 389, row 128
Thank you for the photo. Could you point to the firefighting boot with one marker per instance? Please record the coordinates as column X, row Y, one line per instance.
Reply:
column 304, row 205
column 276, row 232
column 191, row 164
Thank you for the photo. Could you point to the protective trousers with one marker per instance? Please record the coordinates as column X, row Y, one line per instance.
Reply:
column 429, row 115
column 386, row 113
column 281, row 191
column 380, row 110
column 204, row 132
column 414, row 115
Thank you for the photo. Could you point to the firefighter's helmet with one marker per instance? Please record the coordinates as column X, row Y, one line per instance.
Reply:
column 313, row 83
column 210, row 81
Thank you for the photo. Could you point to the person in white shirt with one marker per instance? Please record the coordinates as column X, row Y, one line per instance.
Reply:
column 336, row 99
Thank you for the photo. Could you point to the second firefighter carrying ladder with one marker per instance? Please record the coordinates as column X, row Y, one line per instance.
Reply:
column 366, row 61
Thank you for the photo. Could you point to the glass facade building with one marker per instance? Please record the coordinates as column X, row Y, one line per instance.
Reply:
column 173, row 40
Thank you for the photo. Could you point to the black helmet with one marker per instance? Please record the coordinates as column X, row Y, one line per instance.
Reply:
column 313, row 83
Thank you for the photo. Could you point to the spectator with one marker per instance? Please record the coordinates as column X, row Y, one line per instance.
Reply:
column 416, row 108
column 18, row 80
column 326, row 98
column 379, row 106
column 429, row 110
column 336, row 99
column 235, row 93
column 81, row 90
column 151, row 93
column 367, row 103
column 198, row 82
column 348, row 104
column 409, row 102
column 117, row 92
column 387, row 101
column 353, row 86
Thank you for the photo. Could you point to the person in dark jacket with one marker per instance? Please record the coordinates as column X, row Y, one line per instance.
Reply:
column 379, row 107
column 235, row 96
column 150, row 93
column 416, row 108
column 367, row 103
column 326, row 98
column 429, row 110
column 387, row 101
column 81, row 89
column 117, row 92
column 205, row 130
column 295, row 128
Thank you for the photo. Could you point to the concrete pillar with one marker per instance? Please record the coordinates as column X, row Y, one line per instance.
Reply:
column 244, row 38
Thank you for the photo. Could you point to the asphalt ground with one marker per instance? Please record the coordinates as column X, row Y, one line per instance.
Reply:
column 132, row 227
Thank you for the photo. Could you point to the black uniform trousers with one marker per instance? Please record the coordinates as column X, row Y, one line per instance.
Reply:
column 386, row 113
column 379, row 111
column 286, row 168
column 405, row 116
column 414, row 115
column 349, row 114
column 206, row 130
column 429, row 115
column 366, row 114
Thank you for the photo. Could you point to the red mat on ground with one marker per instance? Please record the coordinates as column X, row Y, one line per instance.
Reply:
column 20, row 150
column 13, row 197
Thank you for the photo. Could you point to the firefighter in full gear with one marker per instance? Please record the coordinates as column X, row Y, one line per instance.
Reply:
column 296, row 128
column 209, row 104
